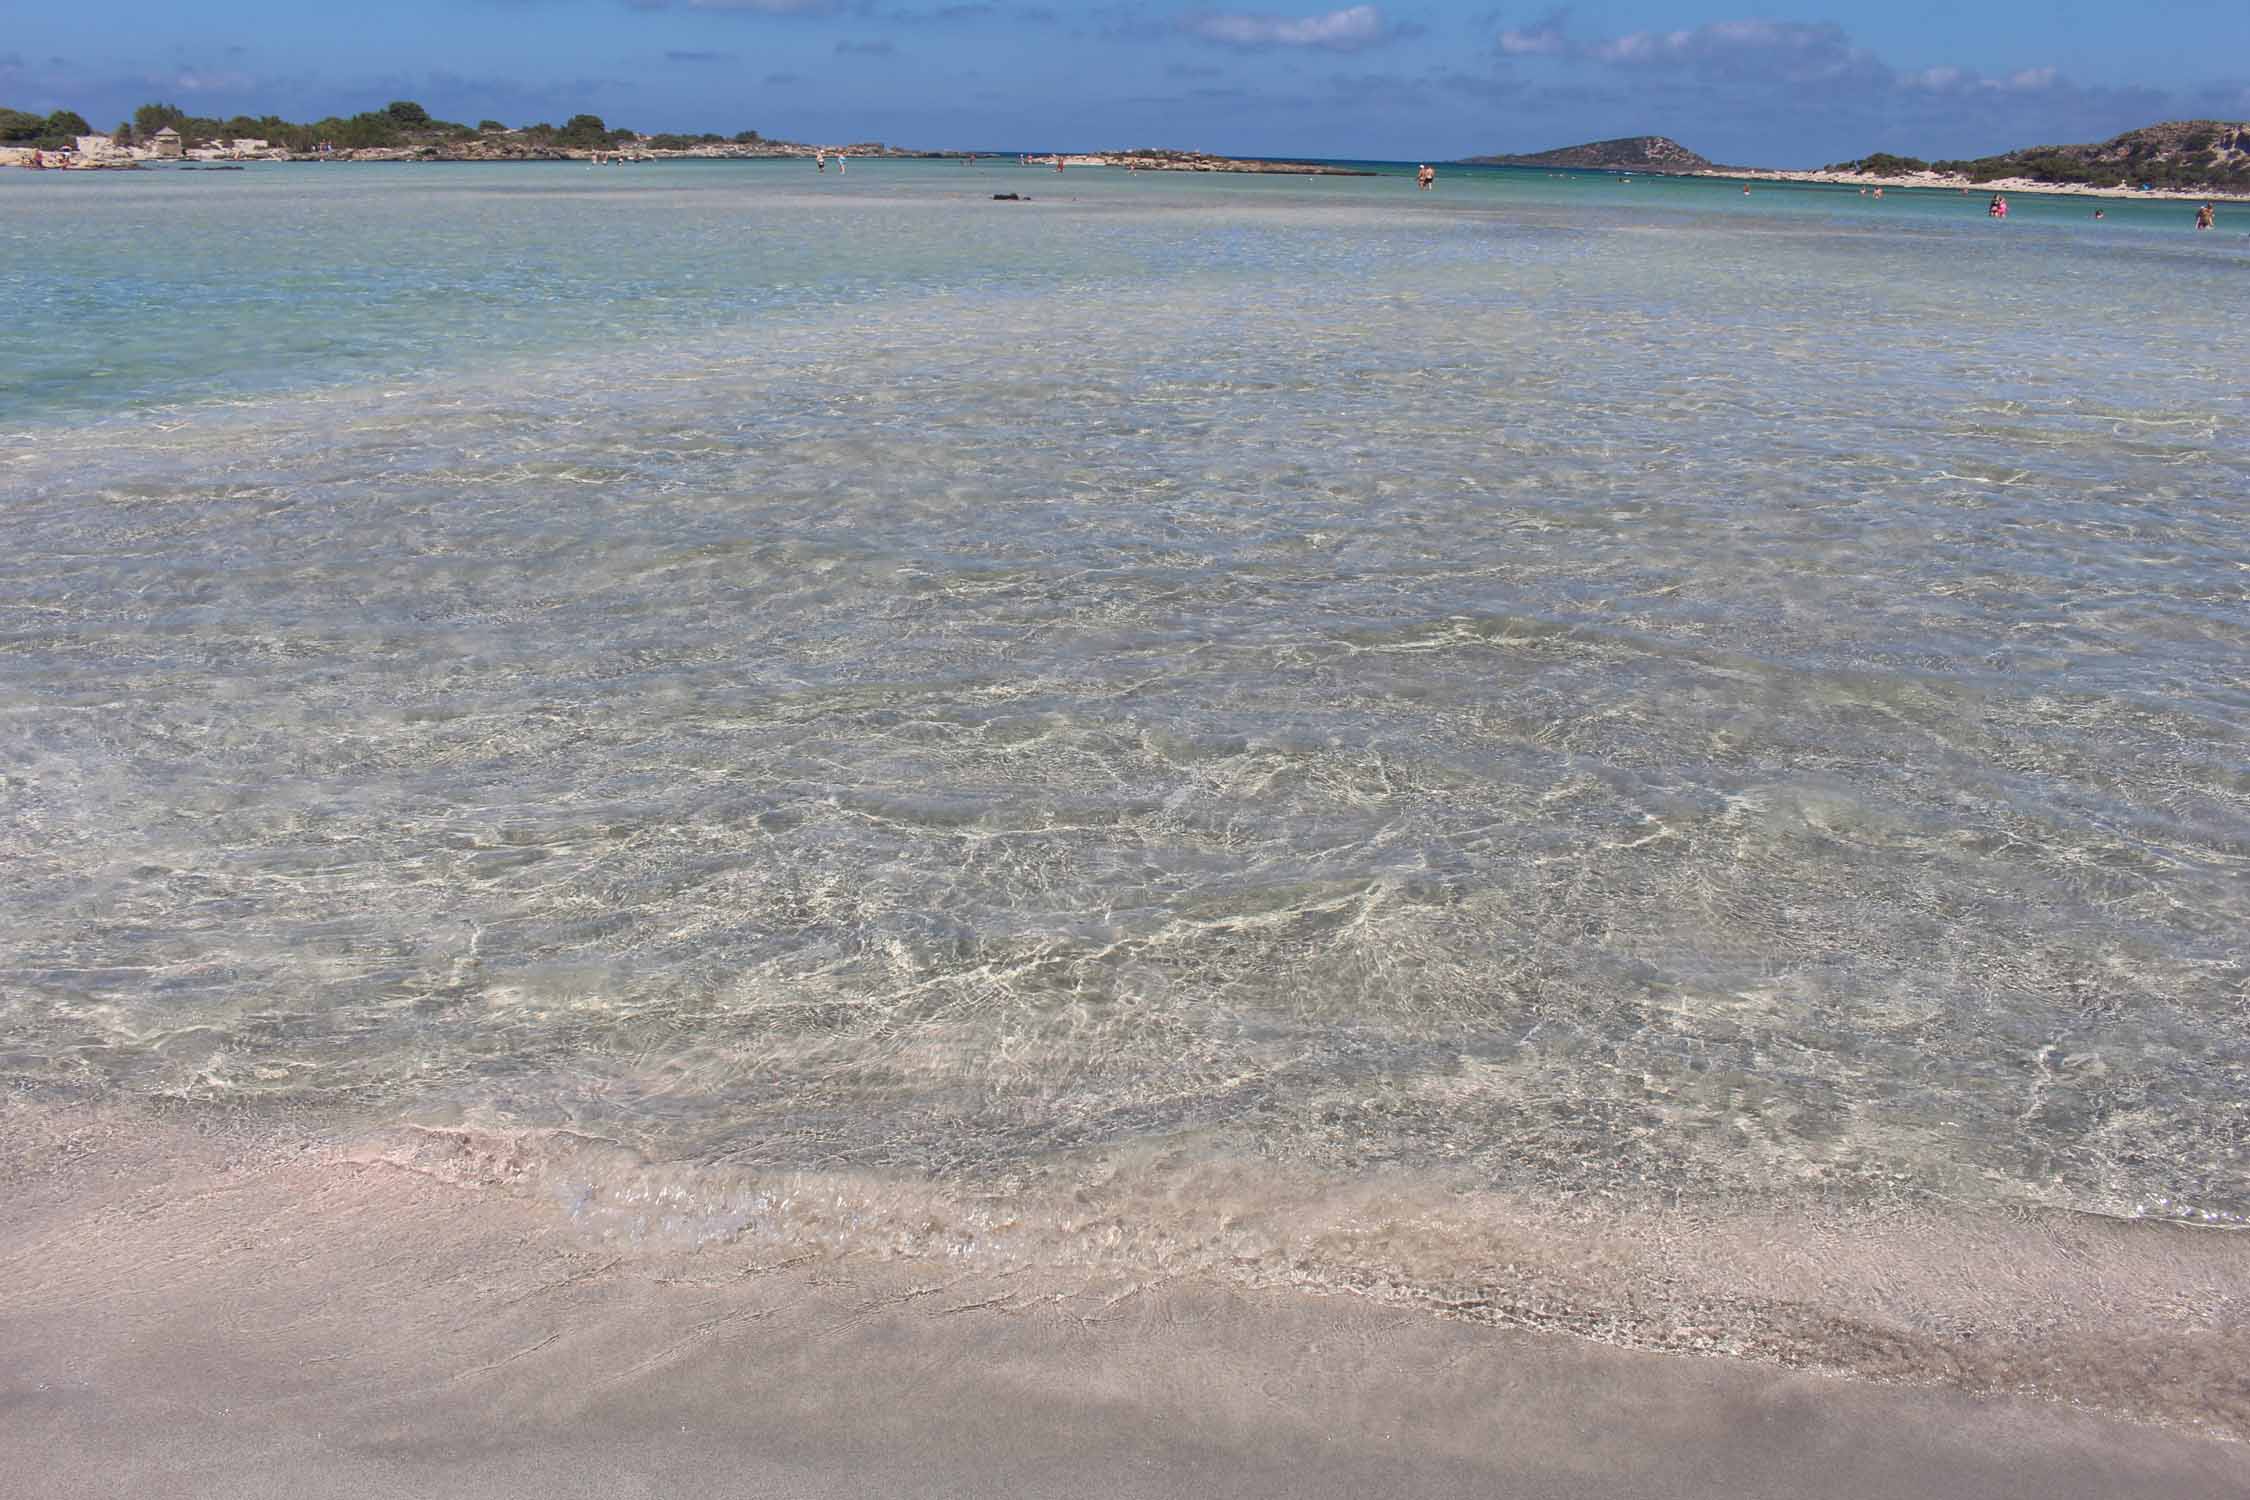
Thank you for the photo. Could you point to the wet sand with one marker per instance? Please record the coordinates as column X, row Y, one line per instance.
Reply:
column 194, row 1313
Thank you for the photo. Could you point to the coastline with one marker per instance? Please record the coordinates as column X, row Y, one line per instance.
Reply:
column 2130, row 1320
column 1145, row 161
column 123, row 159
column 491, row 151
column 1196, row 161
column 1950, row 180
column 202, row 1313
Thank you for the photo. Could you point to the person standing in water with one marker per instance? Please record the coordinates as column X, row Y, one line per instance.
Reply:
column 2206, row 217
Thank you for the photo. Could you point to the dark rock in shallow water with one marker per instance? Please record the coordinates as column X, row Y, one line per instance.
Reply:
column 1636, row 153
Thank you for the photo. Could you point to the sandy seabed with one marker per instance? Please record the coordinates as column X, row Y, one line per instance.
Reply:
column 193, row 1312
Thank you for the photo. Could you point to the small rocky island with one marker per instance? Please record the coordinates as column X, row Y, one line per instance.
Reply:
column 1632, row 153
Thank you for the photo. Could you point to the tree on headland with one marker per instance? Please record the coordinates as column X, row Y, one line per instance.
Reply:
column 1883, row 164
column 150, row 118
column 402, row 125
column 54, row 132
column 584, row 130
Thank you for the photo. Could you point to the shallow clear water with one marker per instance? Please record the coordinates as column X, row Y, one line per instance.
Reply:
column 1566, row 687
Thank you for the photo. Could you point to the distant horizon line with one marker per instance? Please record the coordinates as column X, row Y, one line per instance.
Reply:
column 428, row 122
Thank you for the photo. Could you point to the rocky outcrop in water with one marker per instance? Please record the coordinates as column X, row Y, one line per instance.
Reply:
column 1632, row 153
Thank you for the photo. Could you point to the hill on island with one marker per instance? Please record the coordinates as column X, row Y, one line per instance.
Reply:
column 2184, row 155
column 1632, row 153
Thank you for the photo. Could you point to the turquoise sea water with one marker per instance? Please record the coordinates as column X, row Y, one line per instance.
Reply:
column 176, row 286
column 1581, row 690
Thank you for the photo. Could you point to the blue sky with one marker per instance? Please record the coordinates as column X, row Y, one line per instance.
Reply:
column 1761, row 83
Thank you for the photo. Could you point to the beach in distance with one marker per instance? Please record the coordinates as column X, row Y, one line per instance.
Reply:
column 719, row 827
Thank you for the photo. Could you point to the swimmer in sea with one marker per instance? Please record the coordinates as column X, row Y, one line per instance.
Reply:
column 2205, row 217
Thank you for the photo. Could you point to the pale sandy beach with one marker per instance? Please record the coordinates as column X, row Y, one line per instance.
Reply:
column 1939, row 180
column 200, row 1313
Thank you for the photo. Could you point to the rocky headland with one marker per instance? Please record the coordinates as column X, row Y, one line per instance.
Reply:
column 2186, row 159
column 2193, row 158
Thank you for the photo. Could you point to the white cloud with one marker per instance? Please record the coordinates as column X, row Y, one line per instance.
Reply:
column 201, row 81
column 1950, row 80
column 1543, row 38
column 1641, row 46
column 1339, row 30
column 1798, row 51
column 759, row 7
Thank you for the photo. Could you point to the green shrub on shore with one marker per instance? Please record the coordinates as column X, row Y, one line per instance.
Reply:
column 2183, row 156
column 401, row 124
column 1883, row 164
column 54, row 132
